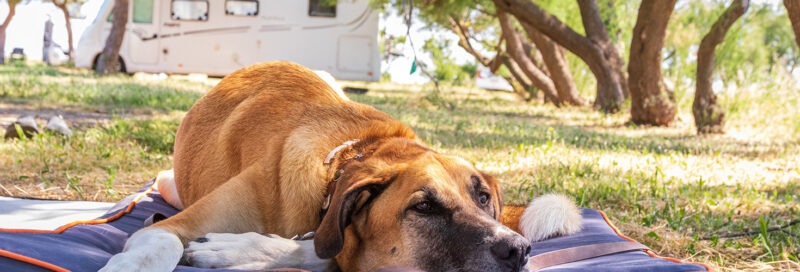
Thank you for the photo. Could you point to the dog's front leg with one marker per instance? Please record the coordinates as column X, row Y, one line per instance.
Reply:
column 160, row 246
column 253, row 251
column 152, row 249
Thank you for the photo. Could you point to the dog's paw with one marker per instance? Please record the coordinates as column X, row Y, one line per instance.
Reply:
column 148, row 250
column 548, row 216
column 251, row 251
column 132, row 262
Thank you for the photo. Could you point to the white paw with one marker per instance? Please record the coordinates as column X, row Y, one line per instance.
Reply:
column 130, row 261
column 148, row 250
column 548, row 216
column 251, row 251
column 166, row 186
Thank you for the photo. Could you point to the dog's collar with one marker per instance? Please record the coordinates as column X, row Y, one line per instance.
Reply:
column 337, row 149
column 338, row 172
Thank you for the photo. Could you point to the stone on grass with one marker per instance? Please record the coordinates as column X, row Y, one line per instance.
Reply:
column 58, row 125
column 28, row 125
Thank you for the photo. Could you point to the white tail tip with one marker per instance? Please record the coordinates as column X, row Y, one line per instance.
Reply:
column 548, row 216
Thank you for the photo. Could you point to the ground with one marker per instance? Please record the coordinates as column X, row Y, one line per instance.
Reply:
column 679, row 193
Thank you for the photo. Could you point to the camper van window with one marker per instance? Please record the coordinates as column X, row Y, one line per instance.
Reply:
column 191, row 10
column 322, row 8
column 143, row 11
column 241, row 7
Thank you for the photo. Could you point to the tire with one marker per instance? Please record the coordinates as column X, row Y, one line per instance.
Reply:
column 121, row 69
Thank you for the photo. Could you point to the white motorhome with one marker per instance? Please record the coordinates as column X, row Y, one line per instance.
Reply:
column 217, row 37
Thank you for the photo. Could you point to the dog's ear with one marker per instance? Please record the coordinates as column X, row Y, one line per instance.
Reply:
column 329, row 237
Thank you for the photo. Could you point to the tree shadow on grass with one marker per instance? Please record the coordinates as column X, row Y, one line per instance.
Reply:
column 39, row 69
column 587, row 138
column 97, row 96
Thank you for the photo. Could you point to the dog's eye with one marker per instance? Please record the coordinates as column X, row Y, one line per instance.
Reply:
column 424, row 206
column 484, row 199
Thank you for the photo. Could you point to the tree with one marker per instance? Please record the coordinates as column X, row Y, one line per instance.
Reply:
column 651, row 102
column 708, row 114
column 520, row 83
column 595, row 49
column 12, row 6
column 516, row 51
column 793, row 10
column 109, row 59
column 63, row 6
column 522, row 86
column 554, row 58
column 464, row 38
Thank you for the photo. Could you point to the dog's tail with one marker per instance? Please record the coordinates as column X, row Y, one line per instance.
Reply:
column 166, row 186
column 546, row 216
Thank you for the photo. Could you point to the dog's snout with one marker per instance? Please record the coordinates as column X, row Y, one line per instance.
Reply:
column 511, row 252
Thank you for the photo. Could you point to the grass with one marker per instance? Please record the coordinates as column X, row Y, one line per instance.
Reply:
column 678, row 193
column 105, row 159
column 40, row 85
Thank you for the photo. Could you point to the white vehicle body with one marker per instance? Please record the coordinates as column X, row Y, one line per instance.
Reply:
column 489, row 81
column 217, row 37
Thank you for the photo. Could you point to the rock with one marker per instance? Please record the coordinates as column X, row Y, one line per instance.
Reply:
column 28, row 125
column 58, row 125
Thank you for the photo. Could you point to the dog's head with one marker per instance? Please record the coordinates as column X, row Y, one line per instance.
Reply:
column 406, row 205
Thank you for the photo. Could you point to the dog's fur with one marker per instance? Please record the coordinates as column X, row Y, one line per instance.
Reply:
column 249, row 157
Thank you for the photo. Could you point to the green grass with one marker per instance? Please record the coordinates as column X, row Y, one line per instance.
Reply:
column 105, row 159
column 40, row 85
column 676, row 192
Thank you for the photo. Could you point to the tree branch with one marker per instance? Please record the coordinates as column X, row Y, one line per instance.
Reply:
column 528, row 12
column 464, row 37
column 514, row 47
column 593, row 22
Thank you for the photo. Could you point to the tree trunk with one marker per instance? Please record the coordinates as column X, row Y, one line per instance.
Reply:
column 518, row 89
column 596, row 32
column 526, row 91
column 516, row 52
column 597, row 52
column 109, row 62
column 12, row 8
column 793, row 10
column 535, row 55
column 650, row 103
column 520, row 84
column 556, row 63
column 708, row 115
column 71, row 53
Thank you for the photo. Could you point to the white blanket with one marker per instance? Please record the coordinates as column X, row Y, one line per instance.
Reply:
column 46, row 214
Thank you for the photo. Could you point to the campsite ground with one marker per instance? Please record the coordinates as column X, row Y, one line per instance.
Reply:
column 676, row 192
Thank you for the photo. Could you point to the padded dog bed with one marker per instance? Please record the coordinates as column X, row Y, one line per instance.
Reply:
column 87, row 245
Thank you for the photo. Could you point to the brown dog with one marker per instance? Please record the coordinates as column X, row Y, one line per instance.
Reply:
column 273, row 149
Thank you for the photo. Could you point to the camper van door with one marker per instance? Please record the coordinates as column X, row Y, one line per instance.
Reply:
column 143, row 39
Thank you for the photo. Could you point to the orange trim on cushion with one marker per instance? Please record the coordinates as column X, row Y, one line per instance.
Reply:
column 649, row 252
column 89, row 222
column 26, row 259
column 53, row 267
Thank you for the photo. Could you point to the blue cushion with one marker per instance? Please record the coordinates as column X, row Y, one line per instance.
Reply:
column 597, row 230
column 87, row 247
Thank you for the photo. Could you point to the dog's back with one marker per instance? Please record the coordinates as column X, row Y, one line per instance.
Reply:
column 230, row 116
